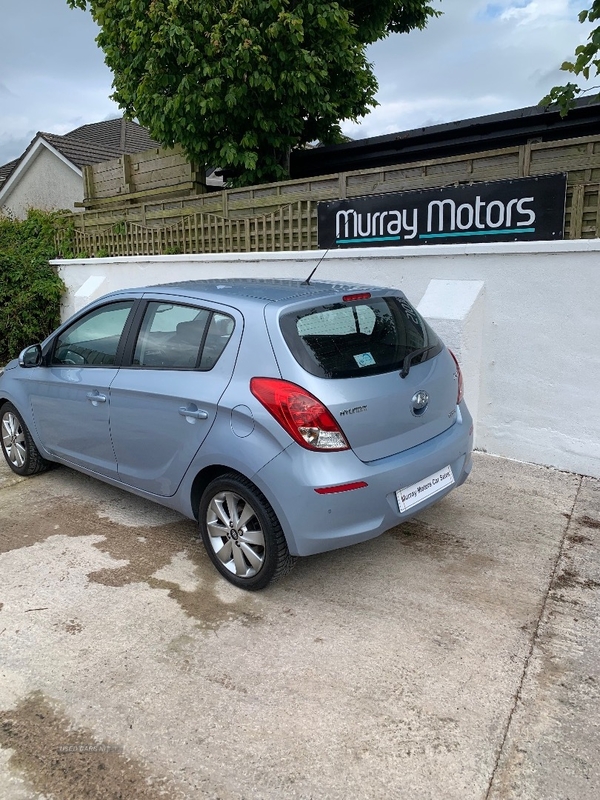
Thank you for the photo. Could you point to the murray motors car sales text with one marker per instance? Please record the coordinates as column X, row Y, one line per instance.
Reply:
column 443, row 217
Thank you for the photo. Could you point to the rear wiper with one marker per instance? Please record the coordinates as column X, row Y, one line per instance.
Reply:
column 409, row 358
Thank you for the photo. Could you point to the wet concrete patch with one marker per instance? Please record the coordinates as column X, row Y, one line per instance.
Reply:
column 420, row 533
column 152, row 555
column 61, row 761
column 571, row 578
column 578, row 538
column 589, row 522
column 50, row 516
column 147, row 549
column 73, row 626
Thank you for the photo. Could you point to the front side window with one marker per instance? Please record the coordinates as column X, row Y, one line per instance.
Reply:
column 174, row 336
column 365, row 337
column 94, row 339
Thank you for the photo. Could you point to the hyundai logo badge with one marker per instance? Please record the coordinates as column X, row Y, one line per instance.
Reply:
column 420, row 401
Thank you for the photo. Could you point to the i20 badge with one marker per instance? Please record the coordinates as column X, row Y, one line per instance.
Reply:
column 419, row 402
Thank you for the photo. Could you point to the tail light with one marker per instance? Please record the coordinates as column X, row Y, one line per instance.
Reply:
column 461, row 386
column 299, row 413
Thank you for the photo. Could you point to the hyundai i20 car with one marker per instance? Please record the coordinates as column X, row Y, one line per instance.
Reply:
column 288, row 418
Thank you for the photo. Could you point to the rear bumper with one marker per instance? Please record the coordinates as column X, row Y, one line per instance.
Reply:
column 315, row 523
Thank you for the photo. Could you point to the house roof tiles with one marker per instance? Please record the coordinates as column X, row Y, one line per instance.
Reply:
column 7, row 169
column 91, row 144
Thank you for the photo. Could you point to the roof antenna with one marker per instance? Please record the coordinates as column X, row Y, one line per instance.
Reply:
column 307, row 281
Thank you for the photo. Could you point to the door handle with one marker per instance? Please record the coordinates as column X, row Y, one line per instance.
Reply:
column 197, row 413
column 95, row 397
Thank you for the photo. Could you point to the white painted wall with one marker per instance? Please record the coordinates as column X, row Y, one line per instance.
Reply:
column 47, row 183
column 456, row 309
column 536, row 322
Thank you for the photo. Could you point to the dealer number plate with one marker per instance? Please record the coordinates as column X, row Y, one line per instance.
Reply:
column 411, row 495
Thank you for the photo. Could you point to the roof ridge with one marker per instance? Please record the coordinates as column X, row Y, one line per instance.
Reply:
column 91, row 143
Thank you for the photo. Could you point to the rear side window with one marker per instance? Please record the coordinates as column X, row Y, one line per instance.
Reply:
column 176, row 336
column 365, row 337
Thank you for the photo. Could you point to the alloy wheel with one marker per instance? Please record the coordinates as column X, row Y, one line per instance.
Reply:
column 13, row 439
column 235, row 534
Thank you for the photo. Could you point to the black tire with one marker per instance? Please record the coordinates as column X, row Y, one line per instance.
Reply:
column 241, row 533
column 19, row 449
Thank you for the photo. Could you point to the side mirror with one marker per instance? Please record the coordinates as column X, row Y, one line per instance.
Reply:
column 31, row 356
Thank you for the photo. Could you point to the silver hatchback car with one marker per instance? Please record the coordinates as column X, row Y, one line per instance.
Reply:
column 287, row 418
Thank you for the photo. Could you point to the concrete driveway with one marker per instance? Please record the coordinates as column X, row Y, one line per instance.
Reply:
column 457, row 656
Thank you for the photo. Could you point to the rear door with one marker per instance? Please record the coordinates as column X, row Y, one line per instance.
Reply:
column 164, row 399
column 354, row 354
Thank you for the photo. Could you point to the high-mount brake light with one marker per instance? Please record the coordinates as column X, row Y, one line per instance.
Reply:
column 461, row 386
column 299, row 413
column 350, row 298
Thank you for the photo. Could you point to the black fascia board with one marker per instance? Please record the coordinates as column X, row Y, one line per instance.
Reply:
column 491, row 132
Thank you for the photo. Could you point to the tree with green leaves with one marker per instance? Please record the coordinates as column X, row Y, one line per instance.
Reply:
column 239, row 83
column 586, row 64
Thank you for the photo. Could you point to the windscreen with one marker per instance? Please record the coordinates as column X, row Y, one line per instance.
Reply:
column 364, row 337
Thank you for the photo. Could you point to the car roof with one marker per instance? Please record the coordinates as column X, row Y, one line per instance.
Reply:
column 259, row 289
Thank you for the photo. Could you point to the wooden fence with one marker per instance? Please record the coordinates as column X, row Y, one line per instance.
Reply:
column 283, row 216
column 288, row 228
column 153, row 173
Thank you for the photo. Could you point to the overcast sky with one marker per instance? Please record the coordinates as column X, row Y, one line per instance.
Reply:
column 481, row 57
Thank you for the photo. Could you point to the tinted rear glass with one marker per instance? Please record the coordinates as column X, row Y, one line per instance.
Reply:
column 174, row 336
column 365, row 337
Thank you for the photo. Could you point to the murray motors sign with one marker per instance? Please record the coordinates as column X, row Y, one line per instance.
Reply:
column 518, row 210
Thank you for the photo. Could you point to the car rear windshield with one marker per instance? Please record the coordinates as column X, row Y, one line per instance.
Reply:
column 363, row 337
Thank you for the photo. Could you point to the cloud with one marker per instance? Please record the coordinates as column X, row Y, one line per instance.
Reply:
column 478, row 58
column 537, row 11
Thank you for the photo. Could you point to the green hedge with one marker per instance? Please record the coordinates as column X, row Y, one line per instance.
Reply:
column 30, row 289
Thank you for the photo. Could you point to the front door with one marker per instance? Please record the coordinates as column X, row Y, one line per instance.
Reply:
column 70, row 398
